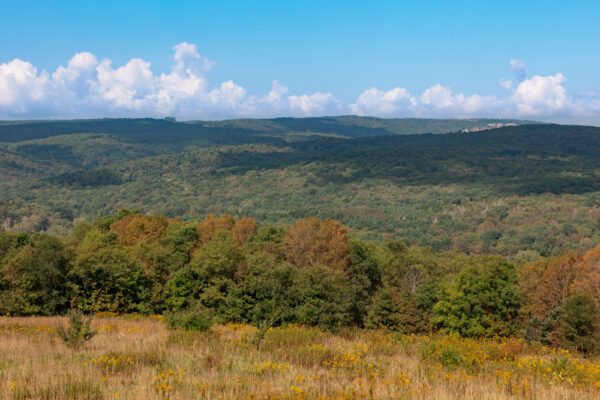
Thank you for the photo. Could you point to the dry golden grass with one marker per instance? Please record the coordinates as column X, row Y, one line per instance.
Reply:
column 137, row 358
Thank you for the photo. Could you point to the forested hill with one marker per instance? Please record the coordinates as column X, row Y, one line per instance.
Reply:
column 168, row 130
column 522, row 191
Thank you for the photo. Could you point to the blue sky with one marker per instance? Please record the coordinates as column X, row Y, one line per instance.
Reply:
column 328, row 57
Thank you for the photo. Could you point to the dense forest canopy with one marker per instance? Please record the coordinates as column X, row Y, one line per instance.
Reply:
column 311, row 272
column 525, row 191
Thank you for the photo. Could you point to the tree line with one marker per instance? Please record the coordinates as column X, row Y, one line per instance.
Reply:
column 312, row 272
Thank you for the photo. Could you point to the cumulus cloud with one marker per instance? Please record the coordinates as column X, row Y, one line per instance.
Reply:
column 435, row 101
column 440, row 100
column 541, row 95
column 394, row 102
column 438, row 97
column 20, row 84
column 87, row 86
column 314, row 104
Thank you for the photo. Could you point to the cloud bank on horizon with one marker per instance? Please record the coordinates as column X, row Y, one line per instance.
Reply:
column 87, row 87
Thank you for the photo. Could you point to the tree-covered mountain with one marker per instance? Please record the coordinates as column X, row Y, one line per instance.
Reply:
column 521, row 191
column 168, row 130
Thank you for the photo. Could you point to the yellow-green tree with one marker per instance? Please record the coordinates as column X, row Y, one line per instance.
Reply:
column 311, row 241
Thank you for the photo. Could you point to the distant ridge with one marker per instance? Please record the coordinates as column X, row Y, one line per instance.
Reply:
column 344, row 126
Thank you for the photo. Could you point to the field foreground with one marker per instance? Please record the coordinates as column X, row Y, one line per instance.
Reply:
column 137, row 358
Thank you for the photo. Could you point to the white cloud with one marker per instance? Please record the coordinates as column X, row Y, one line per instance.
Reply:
column 541, row 95
column 517, row 67
column 189, row 62
column 314, row 104
column 20, row 84
column 438, row 96
column 87, row 86
column 276, row 100
column 538, row 96
column 439, row 100
column 126, row 86
column 394, row 102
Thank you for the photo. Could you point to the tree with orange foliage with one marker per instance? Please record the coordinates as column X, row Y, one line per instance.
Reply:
column 559, row 294
column 589, row 279
column 311, row 241
column 299, row 242
column 243, row 228
column 138, row 227
column 548, row 282
column 212, row 225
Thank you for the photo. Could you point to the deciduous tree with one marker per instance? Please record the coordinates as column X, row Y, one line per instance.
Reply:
column 313, row 242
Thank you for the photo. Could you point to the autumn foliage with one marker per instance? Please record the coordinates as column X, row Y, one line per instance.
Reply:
column 138, row 227
column 228, row 269
column 588, row 280
column 212, row 225
column 311, row 241
column 562, row 298
column 549, row 282
column 243, row 228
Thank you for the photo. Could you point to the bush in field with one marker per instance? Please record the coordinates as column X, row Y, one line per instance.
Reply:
column 192, row 320
column 77, row 332
column 580, row 324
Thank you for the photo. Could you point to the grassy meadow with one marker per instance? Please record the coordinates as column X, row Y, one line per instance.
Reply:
column 138, row 358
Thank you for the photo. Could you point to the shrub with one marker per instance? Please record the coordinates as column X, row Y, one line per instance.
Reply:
column 188, row 320
column 580, row 324
column 78, row 330
column 450, row 357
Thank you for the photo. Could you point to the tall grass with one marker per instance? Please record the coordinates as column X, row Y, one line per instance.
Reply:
column 138, row 358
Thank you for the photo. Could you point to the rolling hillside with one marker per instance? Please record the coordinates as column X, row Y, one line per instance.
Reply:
column 523, row 191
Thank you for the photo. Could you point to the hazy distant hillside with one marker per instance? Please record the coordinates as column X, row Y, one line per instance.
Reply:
column 533, row 189
column 228, row 131
column 354, row 126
